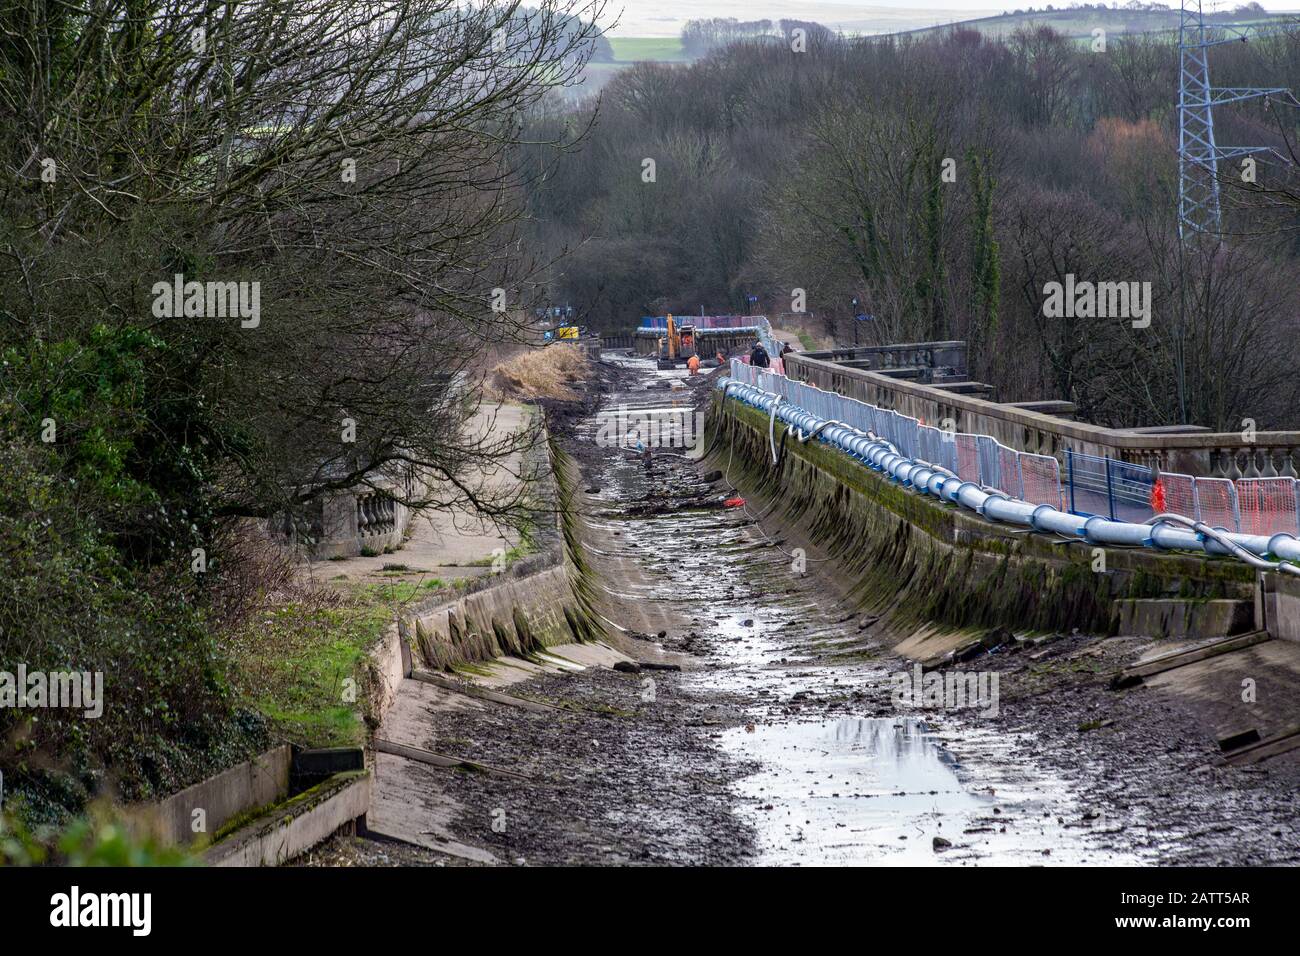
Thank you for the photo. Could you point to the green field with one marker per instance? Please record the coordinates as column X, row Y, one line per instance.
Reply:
column 659, row 49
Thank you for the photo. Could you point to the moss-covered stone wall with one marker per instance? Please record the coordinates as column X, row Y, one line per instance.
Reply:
column 925, row 561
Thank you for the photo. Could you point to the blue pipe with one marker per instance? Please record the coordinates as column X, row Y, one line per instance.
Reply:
column 1165, row 533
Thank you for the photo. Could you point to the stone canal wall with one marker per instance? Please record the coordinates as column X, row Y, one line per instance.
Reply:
column 542, row 600
column 917, row 561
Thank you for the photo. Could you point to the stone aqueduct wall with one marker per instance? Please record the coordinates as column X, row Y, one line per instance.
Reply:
column 1198, row 453
column 919, row 562
column 543, row 600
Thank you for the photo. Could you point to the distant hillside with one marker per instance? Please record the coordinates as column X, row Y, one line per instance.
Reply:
column 1081, row 20
column 1077, row 21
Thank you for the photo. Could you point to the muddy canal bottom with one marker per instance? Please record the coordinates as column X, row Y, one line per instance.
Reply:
column 832, row 771
column 880, row 790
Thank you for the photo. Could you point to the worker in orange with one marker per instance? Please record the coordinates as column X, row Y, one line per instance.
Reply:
column 693, row 363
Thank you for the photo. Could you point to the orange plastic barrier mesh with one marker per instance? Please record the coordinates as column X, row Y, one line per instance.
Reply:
column 1266, row 505
column 1040, row 477
column 1010, row 462
column 968, row 459
column 1179, row 494
column 1216, row 503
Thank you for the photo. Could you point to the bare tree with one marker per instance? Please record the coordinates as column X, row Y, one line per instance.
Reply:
column 361, row 162
column 1046, row 60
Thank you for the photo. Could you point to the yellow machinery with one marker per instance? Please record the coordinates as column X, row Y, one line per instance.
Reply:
column 677, row 345
column 571, row 333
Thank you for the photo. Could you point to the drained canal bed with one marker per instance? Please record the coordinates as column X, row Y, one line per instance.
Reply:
column 783, row 738
column 883, row 790
column 838, row 776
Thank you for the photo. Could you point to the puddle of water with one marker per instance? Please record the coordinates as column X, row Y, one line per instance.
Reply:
column 857, row 790
column 877, row 790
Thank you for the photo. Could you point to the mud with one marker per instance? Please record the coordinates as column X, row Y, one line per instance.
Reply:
column 780, row 741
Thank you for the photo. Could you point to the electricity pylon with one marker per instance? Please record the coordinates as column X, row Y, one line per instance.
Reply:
column 1198, row 155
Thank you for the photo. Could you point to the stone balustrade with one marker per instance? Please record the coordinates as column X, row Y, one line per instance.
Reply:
column 1191, row 451
column 376, row 515
column 344, row 524
column 948, row 359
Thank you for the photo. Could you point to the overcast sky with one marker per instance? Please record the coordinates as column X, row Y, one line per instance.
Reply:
column 665, row 17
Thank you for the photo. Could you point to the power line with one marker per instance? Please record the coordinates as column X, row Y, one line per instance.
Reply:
column 1198, row 153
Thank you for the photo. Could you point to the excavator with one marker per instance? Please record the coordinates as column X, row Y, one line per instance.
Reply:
column 677, row 345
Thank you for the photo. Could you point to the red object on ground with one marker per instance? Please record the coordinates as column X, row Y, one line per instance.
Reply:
column 1158, row 497
column 735, row 502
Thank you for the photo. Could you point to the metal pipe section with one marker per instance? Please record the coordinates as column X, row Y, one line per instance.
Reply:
column 1166, row 532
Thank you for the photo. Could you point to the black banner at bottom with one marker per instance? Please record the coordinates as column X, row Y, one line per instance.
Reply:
column 355, row 904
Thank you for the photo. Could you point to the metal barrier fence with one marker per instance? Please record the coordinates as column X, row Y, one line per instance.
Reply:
column 777, row 366
column 1266, row 505
column 705, row 321
column 968, row 461
column 1118, row 490
column 1040, row 477
column 1179, row 494
column 1216, row 502
column 1113, row 489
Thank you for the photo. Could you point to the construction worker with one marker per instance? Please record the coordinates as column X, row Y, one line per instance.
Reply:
column 759, row 357
column 693, row 363
column 642, row 450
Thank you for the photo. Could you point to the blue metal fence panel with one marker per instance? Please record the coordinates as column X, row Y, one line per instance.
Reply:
column 1086, row 480
column 1130, row 491
column 908, row 435
column 990, row 463
column 947, row 450
column 929, row 444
